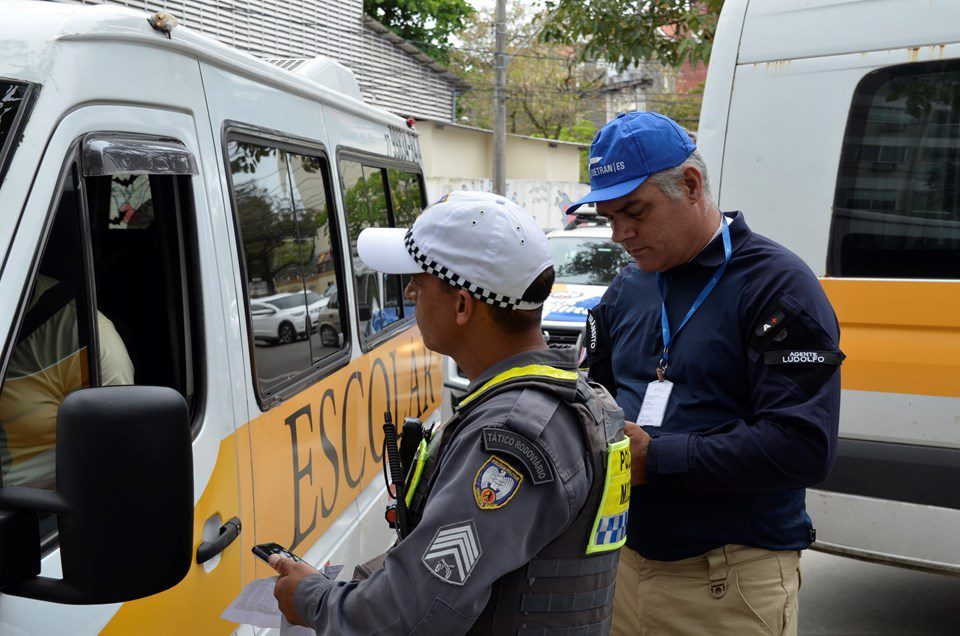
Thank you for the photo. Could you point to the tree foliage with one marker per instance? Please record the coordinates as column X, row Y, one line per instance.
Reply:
column 550, row 92
column 626, row 32
column 426, row 23
column 683, row 108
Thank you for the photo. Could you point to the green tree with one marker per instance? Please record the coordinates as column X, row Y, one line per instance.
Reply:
column 427, row 23
column 683, row 108
column 550, row 92
column 626, row 32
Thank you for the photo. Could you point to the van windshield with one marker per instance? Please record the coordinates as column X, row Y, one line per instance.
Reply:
column 13, row 97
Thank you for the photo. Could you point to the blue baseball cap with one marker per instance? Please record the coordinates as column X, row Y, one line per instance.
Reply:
column 629, row 149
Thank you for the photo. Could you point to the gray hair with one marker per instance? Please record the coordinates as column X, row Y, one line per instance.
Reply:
column 669, row 180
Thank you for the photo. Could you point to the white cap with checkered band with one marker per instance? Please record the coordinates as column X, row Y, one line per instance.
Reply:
column 477, row 241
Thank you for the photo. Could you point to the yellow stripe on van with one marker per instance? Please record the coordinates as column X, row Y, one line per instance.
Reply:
column 301, row 488
column 899, row 336
column 195, row 604
column 290, row 492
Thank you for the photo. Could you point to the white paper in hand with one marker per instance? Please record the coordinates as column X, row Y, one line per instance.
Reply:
column 655, row 403
column 255, row 605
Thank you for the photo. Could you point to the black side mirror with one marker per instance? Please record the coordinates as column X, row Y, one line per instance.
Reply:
column 364, row 313
column 124, row 489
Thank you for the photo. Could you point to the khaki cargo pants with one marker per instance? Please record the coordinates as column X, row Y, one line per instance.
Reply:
column 731, row 590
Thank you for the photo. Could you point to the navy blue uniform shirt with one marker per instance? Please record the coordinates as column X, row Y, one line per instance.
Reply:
column 752, row 419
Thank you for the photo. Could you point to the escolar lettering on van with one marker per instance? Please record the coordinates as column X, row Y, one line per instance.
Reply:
column 318, row 422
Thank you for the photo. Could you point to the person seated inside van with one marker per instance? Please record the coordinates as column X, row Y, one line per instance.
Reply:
column 47, row 363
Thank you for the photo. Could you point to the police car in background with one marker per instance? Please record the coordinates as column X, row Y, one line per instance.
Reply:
column 586, row 261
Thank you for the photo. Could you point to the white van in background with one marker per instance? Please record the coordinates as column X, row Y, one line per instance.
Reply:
column 835, row 127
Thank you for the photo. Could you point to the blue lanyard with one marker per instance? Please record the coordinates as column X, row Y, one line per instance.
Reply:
column 669, row 339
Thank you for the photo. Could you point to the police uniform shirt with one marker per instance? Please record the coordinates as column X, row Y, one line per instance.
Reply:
column 438, row 579
column 752, row 418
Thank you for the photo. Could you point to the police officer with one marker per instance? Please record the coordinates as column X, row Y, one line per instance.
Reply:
column 520, row 500
column 723, row 347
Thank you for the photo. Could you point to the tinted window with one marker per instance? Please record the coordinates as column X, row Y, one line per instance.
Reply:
column 317, row 256
column 406, row 196
column 13, row 98
column 289, row 258
column 50, row 357
column 108, row 306
column 585, row 260
column 365, row 201
column 897, row 204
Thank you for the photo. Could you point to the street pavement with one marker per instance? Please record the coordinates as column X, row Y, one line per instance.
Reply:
column 846, row 596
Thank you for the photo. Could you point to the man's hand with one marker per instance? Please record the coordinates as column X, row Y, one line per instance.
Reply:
column 639, row 441
column 291, row 573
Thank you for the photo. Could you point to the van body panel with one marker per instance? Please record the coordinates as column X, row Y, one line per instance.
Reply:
column 899, row 336
column 775, row 154
column 795, row 29
column 896, row 418
column 718, row 89
column 196, row 603
column 881, row 530
column 780, row 106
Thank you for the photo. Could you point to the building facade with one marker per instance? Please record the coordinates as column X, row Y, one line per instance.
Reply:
column 393, row 74
column 543, row 175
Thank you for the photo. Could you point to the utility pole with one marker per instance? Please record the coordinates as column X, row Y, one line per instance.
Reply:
column 500, row 100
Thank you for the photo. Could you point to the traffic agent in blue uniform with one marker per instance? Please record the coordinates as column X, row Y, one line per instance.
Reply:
column 723, row 348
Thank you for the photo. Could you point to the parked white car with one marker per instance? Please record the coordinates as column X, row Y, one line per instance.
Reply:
column 326, row 322
column 586, row 261
column 281, row 318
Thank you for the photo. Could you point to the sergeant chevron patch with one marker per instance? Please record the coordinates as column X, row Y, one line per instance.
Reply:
column 453, row 553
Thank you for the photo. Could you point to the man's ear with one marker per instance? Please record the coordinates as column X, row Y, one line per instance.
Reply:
column 692, row 183
column 466, row 306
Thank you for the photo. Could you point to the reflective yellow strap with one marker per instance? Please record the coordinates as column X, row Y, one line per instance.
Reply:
column 610, row 527
column 531, row 371
column 420, row 460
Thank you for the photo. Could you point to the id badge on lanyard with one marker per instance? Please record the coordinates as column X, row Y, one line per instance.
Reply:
column 655, row 400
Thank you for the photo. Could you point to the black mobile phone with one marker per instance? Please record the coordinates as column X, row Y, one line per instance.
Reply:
column 264, row 550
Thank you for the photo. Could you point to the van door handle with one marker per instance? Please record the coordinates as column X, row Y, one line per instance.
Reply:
column 228, row 534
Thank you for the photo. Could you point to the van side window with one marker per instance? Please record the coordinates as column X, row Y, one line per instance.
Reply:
column 897, row 203
column 366, row 205
column 110, row 304
column 406, row 195
column 296, row 309
column 377, row 196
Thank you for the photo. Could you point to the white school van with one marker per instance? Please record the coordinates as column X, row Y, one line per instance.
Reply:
column 835, row 127
column 154, row 186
